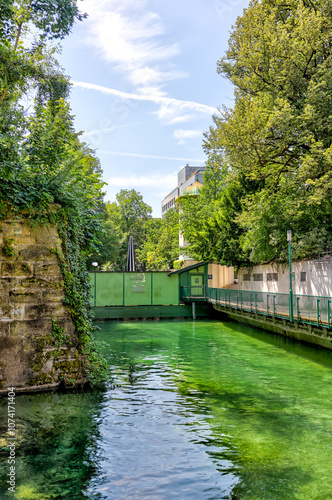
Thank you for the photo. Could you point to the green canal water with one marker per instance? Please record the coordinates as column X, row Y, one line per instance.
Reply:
column 196, row 410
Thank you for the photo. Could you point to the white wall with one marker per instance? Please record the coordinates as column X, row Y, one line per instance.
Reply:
column 318, row 278
column 221, row 275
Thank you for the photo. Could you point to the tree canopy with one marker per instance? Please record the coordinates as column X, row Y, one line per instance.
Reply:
column 161, row 247
column 276, row 140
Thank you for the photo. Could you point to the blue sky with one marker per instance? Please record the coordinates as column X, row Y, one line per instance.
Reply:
column 145, row 86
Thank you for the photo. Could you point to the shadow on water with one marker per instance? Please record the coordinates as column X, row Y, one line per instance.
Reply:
column 315, row 353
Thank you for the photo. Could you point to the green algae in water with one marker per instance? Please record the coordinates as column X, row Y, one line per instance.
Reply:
column 267, row 400
column 203, row 410
column 56, row 445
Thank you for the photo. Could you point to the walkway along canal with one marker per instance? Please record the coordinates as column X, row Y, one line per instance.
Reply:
column 200, row 410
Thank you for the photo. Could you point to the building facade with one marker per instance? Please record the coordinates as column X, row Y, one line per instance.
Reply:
column 187, row 176
column 309, row 277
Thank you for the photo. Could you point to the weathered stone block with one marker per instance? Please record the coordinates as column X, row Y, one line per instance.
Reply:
column 55, row 295
column 17, row 311
column 39, row 283
column 38, row 253
column 45, row 311
column 9, row 269
column 25, row 296
column 4, row 328
column 46, row 270
column 68, row 326
column 10, row 227
column 46, row 235
column 24, row 240
column 31, row 329
column 5, row 308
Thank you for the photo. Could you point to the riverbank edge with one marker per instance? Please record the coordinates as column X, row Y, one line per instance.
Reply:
column 151, row 312
column 55, row 387
column 307, row 333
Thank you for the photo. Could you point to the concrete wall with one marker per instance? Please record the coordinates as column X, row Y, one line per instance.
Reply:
column 221, row 275
column 314, row 335
column 316, row 276
column 218, row 276
column 31, row 295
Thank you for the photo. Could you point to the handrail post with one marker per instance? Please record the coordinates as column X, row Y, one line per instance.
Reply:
column 298, row 308
column 241, row 299
column 274, row 306
column 250, row 302
column 329, row 313
column 291, row 312
column 256, row 307
column 267, row 304
column 318, row 315
column 237, row 300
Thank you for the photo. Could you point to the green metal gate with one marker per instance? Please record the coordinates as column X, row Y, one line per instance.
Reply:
column 134, row 289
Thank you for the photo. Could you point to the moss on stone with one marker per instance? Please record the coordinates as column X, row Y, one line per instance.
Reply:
column 41, row 379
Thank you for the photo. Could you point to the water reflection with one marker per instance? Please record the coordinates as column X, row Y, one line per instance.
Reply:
column 200, row 411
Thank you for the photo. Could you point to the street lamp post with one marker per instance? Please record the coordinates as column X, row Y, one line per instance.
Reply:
column 291, row 312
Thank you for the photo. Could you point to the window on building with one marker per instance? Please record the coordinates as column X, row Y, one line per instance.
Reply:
column 246, row 277
column 272, row 276
column 303, row 276
column 258, row 277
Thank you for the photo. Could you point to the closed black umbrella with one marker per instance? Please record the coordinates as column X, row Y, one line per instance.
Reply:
column 131, row 264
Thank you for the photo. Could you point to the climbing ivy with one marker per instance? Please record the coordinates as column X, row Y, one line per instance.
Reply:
column 79, row 224
column 46, row 172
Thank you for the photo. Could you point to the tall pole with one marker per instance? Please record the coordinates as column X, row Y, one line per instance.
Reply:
column 291, row 312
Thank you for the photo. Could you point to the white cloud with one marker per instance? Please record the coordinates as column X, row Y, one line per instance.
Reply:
column 153, row 157
column 182, row 135
column 166, row 102
column 127, row 34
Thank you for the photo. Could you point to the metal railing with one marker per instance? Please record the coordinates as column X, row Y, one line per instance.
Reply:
column 197, row 292
column 309, row 309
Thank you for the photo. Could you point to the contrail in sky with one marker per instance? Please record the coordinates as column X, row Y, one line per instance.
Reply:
column 203, row 108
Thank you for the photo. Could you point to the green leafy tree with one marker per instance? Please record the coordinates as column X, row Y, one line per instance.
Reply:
column 208, row 221
column 124, row 218
column 277, row 138
column 161, row 247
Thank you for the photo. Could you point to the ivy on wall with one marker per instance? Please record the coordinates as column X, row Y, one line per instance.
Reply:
column 78, row 226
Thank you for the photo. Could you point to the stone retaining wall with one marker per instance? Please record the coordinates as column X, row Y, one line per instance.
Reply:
column 31, row 308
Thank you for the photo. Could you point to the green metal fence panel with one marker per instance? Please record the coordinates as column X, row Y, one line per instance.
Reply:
column 137, row 289
column 134, row 289
column 109, row 289
column 307, row 308
column 165, row 289
column 312, row 309
column 92, row 277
